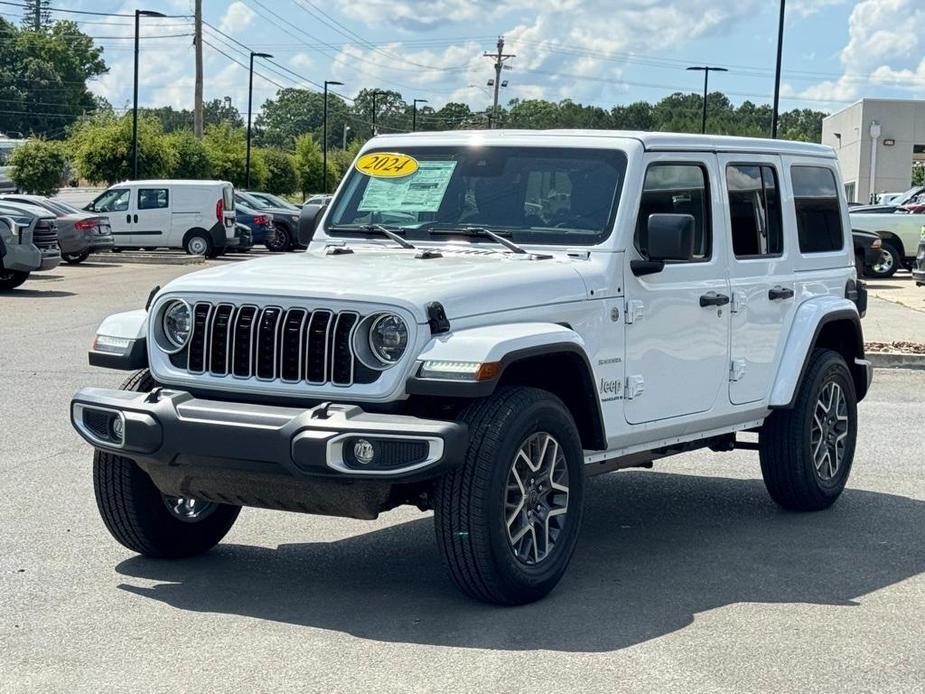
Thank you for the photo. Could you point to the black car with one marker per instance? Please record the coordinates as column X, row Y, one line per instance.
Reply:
column 867, row 251
column 285, row 221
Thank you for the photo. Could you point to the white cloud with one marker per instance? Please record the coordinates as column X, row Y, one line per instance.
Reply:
column 237, row 17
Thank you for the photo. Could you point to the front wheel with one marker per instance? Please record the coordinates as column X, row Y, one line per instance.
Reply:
column 10, row 279
column 507, row 520
column 143, row 519
column 279, row 241
column 806, row 451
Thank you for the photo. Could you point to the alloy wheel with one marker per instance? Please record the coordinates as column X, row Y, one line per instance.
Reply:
column 829, row 432
column 188, row 509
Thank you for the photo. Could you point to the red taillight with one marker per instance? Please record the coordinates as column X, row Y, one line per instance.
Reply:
column 261, row 219
column 86, row 224
column 219, row 209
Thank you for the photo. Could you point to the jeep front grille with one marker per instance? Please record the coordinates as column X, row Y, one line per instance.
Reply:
column 271, row 343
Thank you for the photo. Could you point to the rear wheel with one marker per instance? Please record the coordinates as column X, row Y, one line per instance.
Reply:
column 10, row 279
column 279, row 241
column 890, row 261
column 198, row 243
column 75, row 258
column 806, row 452
column 508, row 518
column 143, row 519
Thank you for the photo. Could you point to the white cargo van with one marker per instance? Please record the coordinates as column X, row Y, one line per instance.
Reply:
column 197, row 216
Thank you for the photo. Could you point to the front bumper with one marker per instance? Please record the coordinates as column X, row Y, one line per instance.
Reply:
column 51, row 258
column 173, row 429
column 919, row 277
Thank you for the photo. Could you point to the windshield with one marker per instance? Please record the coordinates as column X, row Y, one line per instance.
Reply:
column 528, row 194
column 250, row 200
column 278, row 202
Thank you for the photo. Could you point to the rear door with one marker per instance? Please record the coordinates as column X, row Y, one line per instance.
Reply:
column 760, row 272
column 151, row 216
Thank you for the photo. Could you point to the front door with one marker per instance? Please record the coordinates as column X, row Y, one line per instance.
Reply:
column 762, row 284
column 677, row 333
column 114, row 203
column 151, row 216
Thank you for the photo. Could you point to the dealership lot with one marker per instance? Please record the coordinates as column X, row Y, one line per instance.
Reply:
column 684, row 581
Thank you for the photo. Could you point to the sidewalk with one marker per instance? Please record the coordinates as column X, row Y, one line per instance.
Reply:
column 895, row 310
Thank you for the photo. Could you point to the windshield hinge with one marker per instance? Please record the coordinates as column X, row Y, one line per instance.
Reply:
column 436, row 318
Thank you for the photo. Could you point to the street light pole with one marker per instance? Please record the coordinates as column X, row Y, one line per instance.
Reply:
column 324, row 138
column 138, row 15
column 414, row 113
column 344, row 143
column 706, row 69
column 780, row 55
column 250, row 99
column 375, row 93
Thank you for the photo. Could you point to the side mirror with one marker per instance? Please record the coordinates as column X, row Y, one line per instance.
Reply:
column 670, row 237
column 308, row 222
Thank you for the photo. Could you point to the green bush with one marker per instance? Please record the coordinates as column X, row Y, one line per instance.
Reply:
column 102, row 149
column 226, row 148
column 38, row 167
column 192, row 158
column 308, row 162
column 282, row 177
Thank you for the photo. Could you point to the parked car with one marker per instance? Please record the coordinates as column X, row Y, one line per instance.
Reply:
column 285, row 221
column 899, row 233
column 197, row 216
column 318, row 200
column 271, row 200
column 80, row 233
column 868, row 251
column 918, row 270
column 259, row 222
column 28, row 243
column 481, row 360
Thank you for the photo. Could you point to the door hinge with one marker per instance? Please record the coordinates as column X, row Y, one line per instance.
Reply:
column 737, row 370
column 738, row 302
column 635, row 310
column 635, row 386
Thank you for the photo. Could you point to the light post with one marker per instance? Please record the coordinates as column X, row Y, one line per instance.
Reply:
column 344, row 143
column 780, row 55
column 324, row 137
column 138, row 15
column 375, row 93
column 414, row 113
column 706, row 69
column 250, row 99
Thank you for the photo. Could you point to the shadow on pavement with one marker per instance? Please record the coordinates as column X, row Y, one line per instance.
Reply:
column 35, row 293
column 656, row 549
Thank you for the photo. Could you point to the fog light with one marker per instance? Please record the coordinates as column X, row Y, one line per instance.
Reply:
column 363, row 451
column 118, row 428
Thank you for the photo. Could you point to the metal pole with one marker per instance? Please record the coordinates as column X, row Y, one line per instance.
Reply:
column 414, row 113
column 780, row 55
column 197, row 87
column 250, row 98
column 324, row 143
column 706, row 92
column 135, row 103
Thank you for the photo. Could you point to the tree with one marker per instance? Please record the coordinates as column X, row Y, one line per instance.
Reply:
column 282, row 177
column 308, row 162
column 36, row 15
column 215, row 112
column 38, row 167
column 390, row 112
column 191, row 157
column 226, row 148
column 43, row 78
column 101, row 148
column 297, row 111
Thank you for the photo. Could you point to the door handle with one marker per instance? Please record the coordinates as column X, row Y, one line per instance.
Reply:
column 135, row 219
column 779, row 293
column 128, row 218
column 713, row 299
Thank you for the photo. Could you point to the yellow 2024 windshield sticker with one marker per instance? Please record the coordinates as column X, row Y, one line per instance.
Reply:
column 386, row 165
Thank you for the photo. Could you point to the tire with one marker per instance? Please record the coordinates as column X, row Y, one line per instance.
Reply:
column 75, row 258
column 792, row 474
column 198, row 243
column 473, row 502
column 859, row 264
column 10, row 279
column 890, row 262
column 136, row 513
column 280, row 241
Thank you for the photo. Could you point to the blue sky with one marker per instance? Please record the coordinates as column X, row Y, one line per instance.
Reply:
column 602, row 52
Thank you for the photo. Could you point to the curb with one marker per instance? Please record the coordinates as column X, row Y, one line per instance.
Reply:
column 147, row 259
column 896, row 360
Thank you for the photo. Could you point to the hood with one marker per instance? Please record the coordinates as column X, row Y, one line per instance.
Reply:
column 466, row 282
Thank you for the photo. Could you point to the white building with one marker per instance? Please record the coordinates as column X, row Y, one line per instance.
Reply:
column 877, row 140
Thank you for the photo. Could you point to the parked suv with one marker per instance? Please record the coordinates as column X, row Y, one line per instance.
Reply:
column 28, row 243
column 482, row 320
column 80, row 233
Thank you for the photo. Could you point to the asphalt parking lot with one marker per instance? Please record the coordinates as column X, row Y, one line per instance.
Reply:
column 686, row 578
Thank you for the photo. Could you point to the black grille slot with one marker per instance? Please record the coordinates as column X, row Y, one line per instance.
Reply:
column 342, row 354
column 221, row 339
column 267, row 339
column 317, row 347
column 199, row 338
column 291, row 352
column 243, row 348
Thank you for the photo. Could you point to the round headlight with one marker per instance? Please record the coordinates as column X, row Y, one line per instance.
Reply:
column 178, row 321
column 388, row 338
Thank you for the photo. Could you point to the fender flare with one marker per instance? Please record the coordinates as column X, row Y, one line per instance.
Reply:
column 131, row 326
column 811, row 317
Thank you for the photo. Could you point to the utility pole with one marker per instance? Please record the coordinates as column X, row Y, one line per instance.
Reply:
column 197, row 90
column 706, row 69
column 780, row 55
column 500, row 58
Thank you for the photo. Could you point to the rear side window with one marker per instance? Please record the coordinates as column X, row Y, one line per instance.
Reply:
column 676, row 189
column 152, row 198
column 228, row 197
column 815, row 197
column 754, row 210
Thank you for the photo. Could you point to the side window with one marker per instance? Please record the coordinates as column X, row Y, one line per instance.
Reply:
column 754, row 210
column 676, row 189
column 112, row 201
column 818, row 210
column 152, row 198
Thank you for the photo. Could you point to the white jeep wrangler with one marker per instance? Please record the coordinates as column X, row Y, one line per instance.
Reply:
column 482, row 320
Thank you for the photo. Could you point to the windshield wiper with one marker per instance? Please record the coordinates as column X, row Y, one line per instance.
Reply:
column 480, row 232
column 375, row 229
